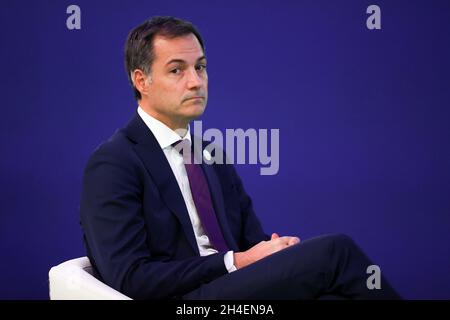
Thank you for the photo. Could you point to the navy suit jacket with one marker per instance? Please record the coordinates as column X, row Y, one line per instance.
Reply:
column 136, row 227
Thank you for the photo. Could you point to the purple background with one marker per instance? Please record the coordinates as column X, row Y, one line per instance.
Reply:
column 363, row 118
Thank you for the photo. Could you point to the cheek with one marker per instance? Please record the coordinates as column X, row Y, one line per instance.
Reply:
column 170, row 93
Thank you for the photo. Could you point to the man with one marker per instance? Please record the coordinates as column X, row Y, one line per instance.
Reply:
column 157, row 225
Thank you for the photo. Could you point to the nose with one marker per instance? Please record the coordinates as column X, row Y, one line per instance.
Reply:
column 194, row 81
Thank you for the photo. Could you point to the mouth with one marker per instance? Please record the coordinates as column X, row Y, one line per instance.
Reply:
column 193, row 98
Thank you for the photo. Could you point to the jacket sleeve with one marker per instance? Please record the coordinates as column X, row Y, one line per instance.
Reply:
column 114, row 231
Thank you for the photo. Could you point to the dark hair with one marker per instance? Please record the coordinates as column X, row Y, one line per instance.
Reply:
column 139, row 52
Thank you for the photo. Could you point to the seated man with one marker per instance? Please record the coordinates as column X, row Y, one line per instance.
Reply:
column 158, row 226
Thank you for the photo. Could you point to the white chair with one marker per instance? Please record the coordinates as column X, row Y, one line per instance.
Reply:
column 73, row 280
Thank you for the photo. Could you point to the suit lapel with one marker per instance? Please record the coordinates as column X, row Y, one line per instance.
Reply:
column 217, row 198
column 153, row 157
column 215, row 190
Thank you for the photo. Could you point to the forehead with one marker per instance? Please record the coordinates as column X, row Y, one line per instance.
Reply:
column 186, row 48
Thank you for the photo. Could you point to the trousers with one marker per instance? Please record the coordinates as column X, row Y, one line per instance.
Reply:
column 327, row 266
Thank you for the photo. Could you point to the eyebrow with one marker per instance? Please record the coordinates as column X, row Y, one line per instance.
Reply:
column 183, row 61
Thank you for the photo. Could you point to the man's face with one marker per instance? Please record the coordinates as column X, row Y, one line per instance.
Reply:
column 178, row 90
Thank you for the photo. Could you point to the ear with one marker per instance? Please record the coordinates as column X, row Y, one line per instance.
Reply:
column 141, row 81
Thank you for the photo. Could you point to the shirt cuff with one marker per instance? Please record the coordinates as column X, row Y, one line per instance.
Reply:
column 228, row 259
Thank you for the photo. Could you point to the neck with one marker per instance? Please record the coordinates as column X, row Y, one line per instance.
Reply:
column 180, row 126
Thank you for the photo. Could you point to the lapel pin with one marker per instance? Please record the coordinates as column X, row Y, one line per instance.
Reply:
column 207, row 155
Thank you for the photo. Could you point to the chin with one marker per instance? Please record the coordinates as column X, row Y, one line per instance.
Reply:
column 196, row 110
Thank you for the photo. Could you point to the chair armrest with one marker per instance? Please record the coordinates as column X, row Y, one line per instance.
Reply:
column 72, row 280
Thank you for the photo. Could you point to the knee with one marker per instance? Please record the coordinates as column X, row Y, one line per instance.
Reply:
column 340, row 240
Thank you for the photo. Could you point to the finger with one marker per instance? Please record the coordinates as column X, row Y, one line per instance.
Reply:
column 274, row 236
column 283, row 240
column 294, row 240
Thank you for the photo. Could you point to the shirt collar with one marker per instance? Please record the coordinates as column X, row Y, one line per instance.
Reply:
column 163, row 134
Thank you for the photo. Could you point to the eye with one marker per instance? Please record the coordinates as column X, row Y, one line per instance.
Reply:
column 175, row 71
column 201, row 67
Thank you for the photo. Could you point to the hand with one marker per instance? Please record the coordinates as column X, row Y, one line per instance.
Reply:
column 263, row 249
column 291, row 240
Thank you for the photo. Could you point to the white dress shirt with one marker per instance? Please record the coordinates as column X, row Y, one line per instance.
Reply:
column 166, row 137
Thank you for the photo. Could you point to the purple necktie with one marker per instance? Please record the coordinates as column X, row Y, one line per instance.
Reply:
column 201, row 196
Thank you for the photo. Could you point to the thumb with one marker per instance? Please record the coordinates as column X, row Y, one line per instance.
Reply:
column 274, row 236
